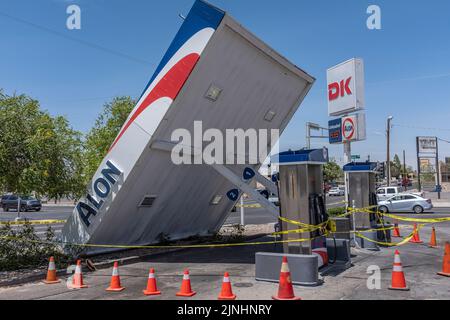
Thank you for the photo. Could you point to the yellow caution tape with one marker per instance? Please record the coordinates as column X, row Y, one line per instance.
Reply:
column 426, row 220
column 305, row 225
column 293, row 231
column 197, row 246
column 305, row 228
column 32, row 222
column 391, row 244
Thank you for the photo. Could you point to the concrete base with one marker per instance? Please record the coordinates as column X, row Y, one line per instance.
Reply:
column 339, row 252
column 304, row 268
column 366, row 244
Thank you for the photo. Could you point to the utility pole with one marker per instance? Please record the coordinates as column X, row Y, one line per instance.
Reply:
column 438, row 170
column 308, row 136
column 405, row 174
column 404, row 163
column 418, row 165
column 388, row 153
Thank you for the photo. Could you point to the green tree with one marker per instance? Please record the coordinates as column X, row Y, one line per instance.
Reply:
column 38, row 153
column 105, row 130
column 22, row 126
column 396, row 167
column 332, row 172
column 64, row 175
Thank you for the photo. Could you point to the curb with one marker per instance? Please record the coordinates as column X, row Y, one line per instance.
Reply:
column 441, row 205
column 39, row 276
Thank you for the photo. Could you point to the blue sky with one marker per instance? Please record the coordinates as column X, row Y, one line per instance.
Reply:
column 407, row 62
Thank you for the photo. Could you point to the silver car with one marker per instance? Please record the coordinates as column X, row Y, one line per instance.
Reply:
column 336, row 192
column 405, row 202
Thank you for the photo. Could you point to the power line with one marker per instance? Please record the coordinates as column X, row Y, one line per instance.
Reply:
column 83, row 42
column 417, row 78
column 420, row 128
column 96, row 98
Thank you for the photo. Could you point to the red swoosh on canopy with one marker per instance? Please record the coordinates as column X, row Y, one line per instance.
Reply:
column 169, row 86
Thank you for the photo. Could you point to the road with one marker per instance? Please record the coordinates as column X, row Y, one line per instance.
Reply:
column 252, row 215
column 52, row 212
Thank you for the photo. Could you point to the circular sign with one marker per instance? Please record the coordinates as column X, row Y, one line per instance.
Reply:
column 348, row 129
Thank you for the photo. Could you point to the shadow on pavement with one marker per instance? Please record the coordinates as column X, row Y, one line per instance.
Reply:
column 241, row 254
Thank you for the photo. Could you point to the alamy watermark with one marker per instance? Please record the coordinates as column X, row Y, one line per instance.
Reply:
column 73, row 21
column 374, row 280
column 230, row 146
column 374, row 20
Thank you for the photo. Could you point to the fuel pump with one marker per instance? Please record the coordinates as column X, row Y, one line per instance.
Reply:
column 302, row 202
column 361, row 185
column 302, row 199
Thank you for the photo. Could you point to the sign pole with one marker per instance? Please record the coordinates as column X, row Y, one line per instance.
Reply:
column 347, row 152
column 418, row 165
column 347, row 159
column 242, row 211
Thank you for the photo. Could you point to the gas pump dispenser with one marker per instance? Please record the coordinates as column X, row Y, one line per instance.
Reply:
column 302, row 199
column 302, row 202
column 360, row 178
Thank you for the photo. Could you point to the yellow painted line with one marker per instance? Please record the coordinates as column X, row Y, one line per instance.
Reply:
column 32, row 222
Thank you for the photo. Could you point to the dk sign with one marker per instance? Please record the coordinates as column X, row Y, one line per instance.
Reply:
column 345, row 84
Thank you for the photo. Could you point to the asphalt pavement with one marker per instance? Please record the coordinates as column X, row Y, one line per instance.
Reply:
column 252, row 216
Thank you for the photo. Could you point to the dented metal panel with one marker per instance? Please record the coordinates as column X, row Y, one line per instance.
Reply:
column 254, row 79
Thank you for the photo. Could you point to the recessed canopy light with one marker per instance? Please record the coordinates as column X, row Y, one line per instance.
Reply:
column 147, row 201
column 216, row 200
column 270, row 115
column 213, row 93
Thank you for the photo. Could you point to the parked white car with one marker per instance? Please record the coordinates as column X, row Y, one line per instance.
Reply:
column 336, row 192
column 405, row 202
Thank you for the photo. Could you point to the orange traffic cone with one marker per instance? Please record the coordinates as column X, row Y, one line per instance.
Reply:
column 416, row 236
column 151, row 290
column 286, row 290
column 115, row 279
column 446, row 264
column 77, row 281
column 186, row 290
column 51, row 273
column 398, row 277
column 433, row 242
column 227, row 292
column 396, row 231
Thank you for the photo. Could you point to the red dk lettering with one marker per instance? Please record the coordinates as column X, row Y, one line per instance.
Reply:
column 336, row 89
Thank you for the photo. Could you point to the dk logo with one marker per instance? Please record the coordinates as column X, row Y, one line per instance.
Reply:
column 339, row 89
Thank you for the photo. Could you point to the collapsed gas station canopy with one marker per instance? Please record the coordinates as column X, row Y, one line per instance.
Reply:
column 217, row 72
